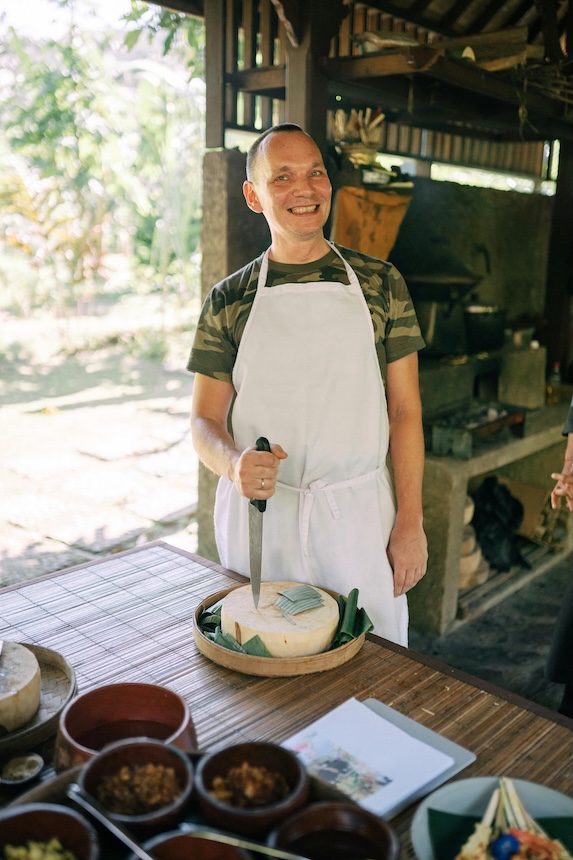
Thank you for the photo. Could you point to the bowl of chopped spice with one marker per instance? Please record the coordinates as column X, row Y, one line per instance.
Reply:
column 249, row 787
column 46, row 830
column 142, row 783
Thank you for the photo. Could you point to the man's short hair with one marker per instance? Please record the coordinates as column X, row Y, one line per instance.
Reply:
column 253, row 153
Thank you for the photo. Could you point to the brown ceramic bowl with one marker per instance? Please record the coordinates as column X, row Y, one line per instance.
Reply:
column 131, row 753
column 336, row 831
column 258, row 820
column 181, row 846
column 44, row 821
column 118, row 711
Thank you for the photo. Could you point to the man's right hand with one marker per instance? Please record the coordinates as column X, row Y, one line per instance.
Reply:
column 255, row 472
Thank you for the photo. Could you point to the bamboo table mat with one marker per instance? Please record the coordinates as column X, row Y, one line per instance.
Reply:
column 129, row 618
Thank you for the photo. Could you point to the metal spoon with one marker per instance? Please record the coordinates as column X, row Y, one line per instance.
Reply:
column 87, row 802
column 193, row 830
column 239, row 842
column 91, row 805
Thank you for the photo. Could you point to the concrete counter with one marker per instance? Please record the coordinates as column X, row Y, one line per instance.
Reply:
column 531, row 459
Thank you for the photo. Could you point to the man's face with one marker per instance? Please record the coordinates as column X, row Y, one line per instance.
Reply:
column 290, row 186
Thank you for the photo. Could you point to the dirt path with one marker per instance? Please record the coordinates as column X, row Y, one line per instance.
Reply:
column 77, row 480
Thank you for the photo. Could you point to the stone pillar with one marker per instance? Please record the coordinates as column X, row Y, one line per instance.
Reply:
column 231, row 236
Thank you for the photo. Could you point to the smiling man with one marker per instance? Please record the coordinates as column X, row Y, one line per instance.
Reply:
column 315, row 347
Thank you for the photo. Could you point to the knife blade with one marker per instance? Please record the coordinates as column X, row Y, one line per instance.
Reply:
column 257, row 508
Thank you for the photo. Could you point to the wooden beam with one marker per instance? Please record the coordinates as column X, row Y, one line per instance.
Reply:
column 548, row 11
column 270, row 81
column 398, row 61
column 214, row 74
column 486, row 15
column 510, row 36
column 568, row 30
column 518, row 14
column 305, row 83
column 450, row 19
column 420, row 102
column 465, row 76
column 289, row 14
column 413, row 16
column 418, row 7
column 195, row 8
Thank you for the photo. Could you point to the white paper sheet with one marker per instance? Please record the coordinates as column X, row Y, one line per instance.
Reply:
column 368, row 758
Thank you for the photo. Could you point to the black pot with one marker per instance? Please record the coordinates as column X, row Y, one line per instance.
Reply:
column 485, row 327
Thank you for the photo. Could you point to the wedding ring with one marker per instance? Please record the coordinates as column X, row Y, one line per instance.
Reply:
column 262, row 483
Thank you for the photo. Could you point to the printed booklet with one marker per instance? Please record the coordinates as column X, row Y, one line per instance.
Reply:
column 381, row 763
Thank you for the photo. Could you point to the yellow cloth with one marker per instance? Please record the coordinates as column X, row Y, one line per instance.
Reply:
column 368, row 221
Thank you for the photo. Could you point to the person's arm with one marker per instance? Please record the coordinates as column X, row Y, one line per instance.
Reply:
column 407, row 548
column 216, row 448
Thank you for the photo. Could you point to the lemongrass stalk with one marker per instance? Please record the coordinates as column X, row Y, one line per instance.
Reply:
column 492, row 808
column 525, row 819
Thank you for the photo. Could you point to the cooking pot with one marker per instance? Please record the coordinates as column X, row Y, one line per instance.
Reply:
column 485, row 326
column 442, row 327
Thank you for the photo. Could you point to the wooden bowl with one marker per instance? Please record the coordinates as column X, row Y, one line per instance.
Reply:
column 44, row 821
column 269, row 667
column 142, row 751
column 117, row 711
column 336, row 831
column 181, row 846
column 252, row 821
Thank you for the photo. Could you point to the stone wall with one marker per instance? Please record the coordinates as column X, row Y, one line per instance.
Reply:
column 507, row 231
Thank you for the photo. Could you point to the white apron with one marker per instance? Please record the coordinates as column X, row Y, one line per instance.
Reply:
column 307, row 377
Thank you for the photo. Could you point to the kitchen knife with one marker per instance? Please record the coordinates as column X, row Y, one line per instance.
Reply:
column 256, row 509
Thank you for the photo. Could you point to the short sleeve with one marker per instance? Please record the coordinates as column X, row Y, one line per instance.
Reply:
column 403, row 335
column 221, row 324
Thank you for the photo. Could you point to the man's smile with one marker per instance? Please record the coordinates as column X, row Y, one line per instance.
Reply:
column 303, row 210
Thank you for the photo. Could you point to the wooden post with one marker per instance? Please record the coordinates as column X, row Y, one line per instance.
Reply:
column 559, row 291
column 306, row 85
column 215, row 74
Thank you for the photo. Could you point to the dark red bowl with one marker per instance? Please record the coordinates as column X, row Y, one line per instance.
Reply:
column 44, row 821
column 336, row 831
column 115, row 712
column 181, row 846
column 137, row 752
column 253, row 821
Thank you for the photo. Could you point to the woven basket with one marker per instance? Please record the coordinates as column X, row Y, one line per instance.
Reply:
column 58, row 686
column 269, row 667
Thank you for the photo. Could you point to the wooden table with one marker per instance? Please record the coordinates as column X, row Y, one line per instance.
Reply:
column 128, row 617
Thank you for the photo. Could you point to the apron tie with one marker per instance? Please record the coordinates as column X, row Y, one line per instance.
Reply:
column 309, row 494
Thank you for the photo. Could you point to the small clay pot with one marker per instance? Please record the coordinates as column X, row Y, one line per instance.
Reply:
column 115, row 712
column 336, row 831
column 134, row 752
column 44, row 821
column 181, row 846
column 251, row 821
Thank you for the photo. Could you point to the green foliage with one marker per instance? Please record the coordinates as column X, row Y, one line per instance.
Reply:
column 178, row 31
column 100, row 164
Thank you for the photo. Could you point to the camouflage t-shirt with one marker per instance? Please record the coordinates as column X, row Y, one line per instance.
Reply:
column 227, row 307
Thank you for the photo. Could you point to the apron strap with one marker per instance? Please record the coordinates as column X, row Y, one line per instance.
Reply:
column 309, row 493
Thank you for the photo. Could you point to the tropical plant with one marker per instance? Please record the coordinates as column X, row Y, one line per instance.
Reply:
column 101, row 160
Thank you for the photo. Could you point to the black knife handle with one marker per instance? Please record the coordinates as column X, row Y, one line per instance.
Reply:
column 262, row 445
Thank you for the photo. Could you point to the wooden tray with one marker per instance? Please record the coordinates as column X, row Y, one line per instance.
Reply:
column 58, row 686
column 55, row 791
column 269, row 667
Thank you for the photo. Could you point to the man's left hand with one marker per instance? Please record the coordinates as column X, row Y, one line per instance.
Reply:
column 408, row 555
